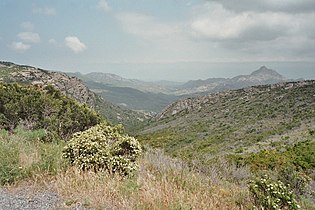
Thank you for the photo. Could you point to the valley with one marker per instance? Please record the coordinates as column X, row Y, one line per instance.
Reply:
column 154, row 96
column 204, row 137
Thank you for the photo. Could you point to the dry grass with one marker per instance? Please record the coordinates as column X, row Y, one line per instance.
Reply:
column 161, row 183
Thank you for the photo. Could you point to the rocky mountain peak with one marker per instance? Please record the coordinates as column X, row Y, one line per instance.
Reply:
column 264, row 71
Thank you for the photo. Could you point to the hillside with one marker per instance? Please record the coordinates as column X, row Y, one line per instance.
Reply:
column 72, row 87
column 235, row 122
column 30, row 107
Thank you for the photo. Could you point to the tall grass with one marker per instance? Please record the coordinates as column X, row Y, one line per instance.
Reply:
column 24, row 155
column 161, row 183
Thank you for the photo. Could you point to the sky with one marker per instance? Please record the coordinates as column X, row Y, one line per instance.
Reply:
column 175, row 40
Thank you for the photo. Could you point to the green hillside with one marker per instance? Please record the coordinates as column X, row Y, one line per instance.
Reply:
column 32, row 108
column 242, row 121
column 74, row 88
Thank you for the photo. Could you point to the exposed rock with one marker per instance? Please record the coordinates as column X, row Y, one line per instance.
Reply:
column 70, row 86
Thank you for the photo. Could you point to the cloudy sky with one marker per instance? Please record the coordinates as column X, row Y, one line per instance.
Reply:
column 161, row 39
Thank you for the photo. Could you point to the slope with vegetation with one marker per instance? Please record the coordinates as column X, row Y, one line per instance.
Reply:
column 269, row 129
column 132, row 98
column 238, row 121
column 72, row 87
column 46, row 108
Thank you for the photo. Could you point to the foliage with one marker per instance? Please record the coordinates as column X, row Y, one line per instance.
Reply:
column 299, row 182
column 35, row 108
column 132, row 120
column 24, row 155
column 273, row 195
column 300, row 156
column 103, row 147
column 235, row 121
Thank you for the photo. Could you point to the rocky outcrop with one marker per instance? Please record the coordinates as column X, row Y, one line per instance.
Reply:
column 70, row 86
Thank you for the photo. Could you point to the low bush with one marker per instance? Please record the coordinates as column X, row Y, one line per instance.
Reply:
column 299, row 182
column 103, row 148
column 273, row 195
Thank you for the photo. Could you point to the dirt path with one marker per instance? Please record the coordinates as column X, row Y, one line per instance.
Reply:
column 27, row 199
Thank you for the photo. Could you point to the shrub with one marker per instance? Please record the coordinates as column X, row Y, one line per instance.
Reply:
column 273, row 195
column 299, row 182
column 35, row 108
column 103, row 148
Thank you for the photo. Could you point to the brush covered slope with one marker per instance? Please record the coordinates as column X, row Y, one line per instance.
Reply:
column 70, row 86
column 32, row 108
column 73, row 87
column 243, row 121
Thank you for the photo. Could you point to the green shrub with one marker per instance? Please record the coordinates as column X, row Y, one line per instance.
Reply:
column 299, row 182
column 35, row 108
column 300, row 157
column 273, row 195
column 103, row 147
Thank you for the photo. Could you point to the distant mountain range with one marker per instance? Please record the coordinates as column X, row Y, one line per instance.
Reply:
column 133, row 94
column 259, row 77
column 154, row 96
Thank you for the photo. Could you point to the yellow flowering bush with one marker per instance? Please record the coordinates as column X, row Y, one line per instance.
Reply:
column 273, row 195
column 103, row 148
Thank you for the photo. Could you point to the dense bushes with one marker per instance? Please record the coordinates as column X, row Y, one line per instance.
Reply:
column 33, row 108
column 103, row 147
column 300, row 157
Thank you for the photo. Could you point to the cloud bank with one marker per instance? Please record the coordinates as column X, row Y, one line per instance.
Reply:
column 29, row 37
column 20, row 46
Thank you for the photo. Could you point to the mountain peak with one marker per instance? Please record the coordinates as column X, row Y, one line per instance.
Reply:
column 263, row 70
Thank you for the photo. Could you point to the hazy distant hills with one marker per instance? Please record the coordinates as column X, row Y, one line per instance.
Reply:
column 259, row 77
column 154, row 96
column 133, row 98
column 114, row 80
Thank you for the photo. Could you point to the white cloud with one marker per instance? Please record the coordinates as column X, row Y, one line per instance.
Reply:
column 20, row 46
column 49, row 11
column 103, row 5
column 146, row 26
column 218, row 23
column 28, row 26
column 75, row 44
column 29, row 37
